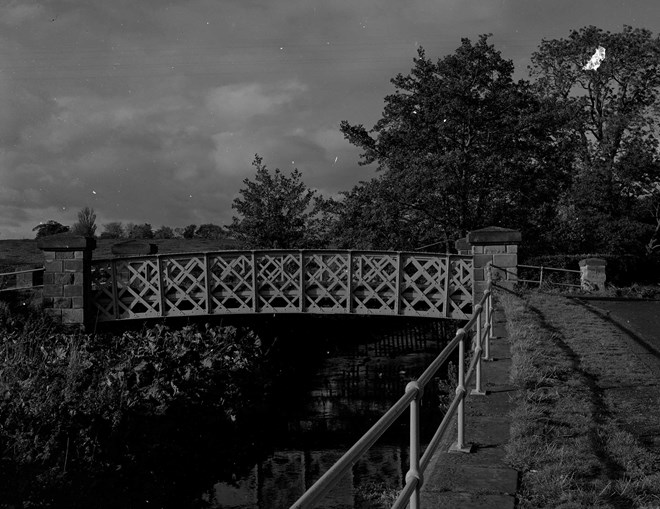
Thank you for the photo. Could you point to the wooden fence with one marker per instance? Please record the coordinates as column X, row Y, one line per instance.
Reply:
column 245, row 282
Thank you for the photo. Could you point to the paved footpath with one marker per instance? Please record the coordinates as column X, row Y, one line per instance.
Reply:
column 479, row 479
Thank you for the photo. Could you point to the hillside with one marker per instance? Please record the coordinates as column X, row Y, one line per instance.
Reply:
column 20, row 254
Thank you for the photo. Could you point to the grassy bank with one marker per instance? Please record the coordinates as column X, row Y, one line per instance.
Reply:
column 583, row 403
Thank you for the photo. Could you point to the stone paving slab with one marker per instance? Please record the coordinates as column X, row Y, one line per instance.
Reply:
column 479, row 479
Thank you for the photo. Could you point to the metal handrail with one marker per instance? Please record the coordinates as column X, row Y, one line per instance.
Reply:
column 542, row 269
column 21, row 272
column 410, row 493
column 16, row 273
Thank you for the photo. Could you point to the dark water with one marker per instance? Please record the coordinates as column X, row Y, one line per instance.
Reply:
column 642, row 317
column 348, row 391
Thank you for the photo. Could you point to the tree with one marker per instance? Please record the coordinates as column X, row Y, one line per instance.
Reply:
column 210, row 231
column 275, row 210
column 86, row 225
column 463, row 146
column 139, row 231
column 371, row 216
column 50, row 227
column 164, row 232
column 613, row 122
column 113, row 230
column 189, row 231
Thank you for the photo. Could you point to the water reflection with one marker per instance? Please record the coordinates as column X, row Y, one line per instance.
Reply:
column 280, row 479
column 344, row 397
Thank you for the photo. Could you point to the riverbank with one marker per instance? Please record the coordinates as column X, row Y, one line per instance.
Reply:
column 585, row 429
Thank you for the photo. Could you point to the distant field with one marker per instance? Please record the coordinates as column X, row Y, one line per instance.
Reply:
column 24, row 254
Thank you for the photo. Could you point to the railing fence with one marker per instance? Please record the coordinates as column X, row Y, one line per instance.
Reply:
column 479, row 330
column 22, row 279
column 548, row 276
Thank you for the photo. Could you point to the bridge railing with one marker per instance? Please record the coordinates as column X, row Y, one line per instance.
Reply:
column 22, row 279
column 479, row 329
column 230, row 282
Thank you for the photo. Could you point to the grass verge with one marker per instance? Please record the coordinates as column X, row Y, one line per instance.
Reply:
column 567, row 438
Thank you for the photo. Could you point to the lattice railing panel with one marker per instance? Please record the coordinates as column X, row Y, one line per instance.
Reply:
column 460, row 288
column 423, row 286
column 184, row 286
column 279, row 282
column 103, row 302
column 327, row 287
column 375, row 283
column 231, row 280
column 409, row 284
column 137, row 288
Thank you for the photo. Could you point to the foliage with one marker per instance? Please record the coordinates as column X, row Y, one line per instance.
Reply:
column 86, row 225
column 461, row 146
column 113, row 230
column 371, row 216
column 188, row 232
column 139, row 231
column 164, row 232
column 275, row 210
column 210, row 231
column 612, row 129
column 49, row 228
column 67, row 398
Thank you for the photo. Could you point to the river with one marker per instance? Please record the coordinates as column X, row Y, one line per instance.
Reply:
column 350, row 389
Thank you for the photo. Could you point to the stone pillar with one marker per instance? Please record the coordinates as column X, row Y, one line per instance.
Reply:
column 67, row 277
column 592, row 274
column 498, row 246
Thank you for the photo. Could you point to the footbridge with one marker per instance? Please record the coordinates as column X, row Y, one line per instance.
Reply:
column 302, row 281
column 80, row 289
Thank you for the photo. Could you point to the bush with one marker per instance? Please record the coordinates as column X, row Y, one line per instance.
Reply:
column 67, row 399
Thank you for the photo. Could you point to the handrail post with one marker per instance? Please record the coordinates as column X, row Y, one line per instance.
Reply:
column 541, row 278
column 415, row 448
column 478, row 391
column 489, row 323
column 459, row 445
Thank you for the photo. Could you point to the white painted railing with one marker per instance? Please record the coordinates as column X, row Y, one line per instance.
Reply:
column 479, row 329
column 245, row 282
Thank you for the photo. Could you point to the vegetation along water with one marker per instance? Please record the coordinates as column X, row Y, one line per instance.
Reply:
column 198, row 415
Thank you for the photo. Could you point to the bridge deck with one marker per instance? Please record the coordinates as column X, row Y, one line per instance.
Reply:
column 245, row 282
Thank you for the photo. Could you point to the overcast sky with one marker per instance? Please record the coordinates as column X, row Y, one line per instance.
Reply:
column 152, row 110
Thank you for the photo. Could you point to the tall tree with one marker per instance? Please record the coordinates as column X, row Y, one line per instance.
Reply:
column 461, row 142
column 275, row 210
column 613, row 111
column 86, row 225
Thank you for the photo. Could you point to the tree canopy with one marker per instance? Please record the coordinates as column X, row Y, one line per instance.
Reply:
column 275, row 210
column 464, row 146
column 613, row 131
column 86, row 225
column 50, row 227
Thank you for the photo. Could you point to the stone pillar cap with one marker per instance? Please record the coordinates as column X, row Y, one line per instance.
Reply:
column 494, row 235
column 66, row 242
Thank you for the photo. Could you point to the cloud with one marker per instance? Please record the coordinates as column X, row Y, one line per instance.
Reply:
column 242, row 102
column 19, row 11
